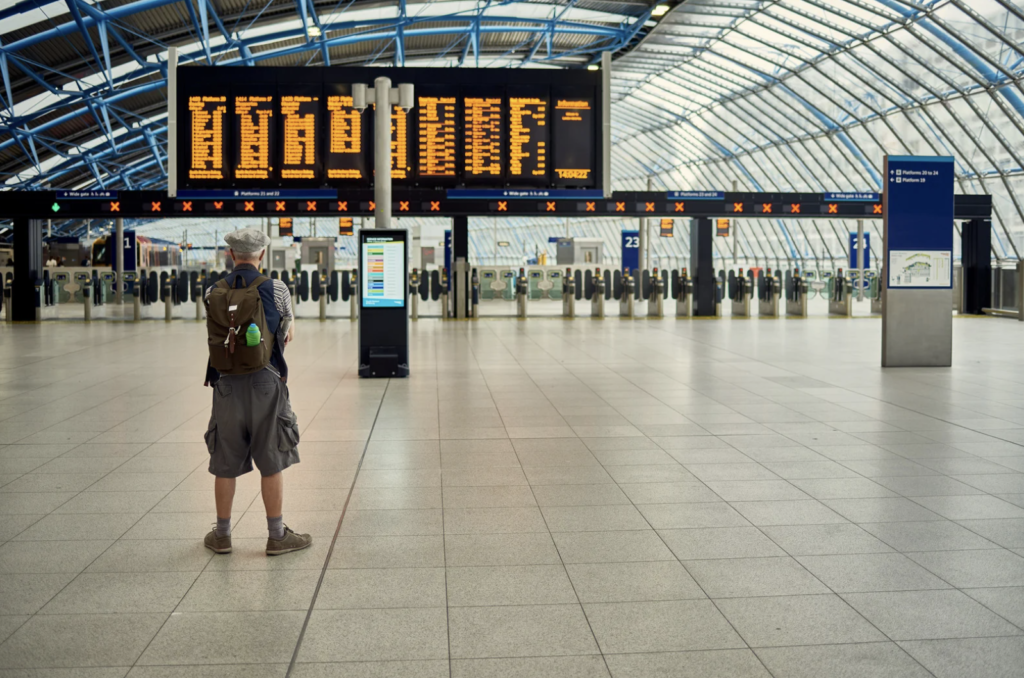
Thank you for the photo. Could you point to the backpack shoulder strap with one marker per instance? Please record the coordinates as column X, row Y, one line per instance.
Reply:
column 259, row 281
column 222, row 283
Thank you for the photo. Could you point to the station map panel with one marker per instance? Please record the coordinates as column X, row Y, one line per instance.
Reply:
column 296, row 128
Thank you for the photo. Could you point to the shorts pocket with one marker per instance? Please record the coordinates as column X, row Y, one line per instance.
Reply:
column 211, row 438
column 287, row 432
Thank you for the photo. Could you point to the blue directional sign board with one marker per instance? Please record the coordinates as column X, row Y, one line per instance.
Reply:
column 130, row 255
column 630, row 250
column 853, row 251
column 919, row 221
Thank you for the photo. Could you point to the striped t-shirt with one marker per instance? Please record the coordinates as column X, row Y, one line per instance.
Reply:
column 282, row 298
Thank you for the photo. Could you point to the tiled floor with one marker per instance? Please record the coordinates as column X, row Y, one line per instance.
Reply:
column 725, row 499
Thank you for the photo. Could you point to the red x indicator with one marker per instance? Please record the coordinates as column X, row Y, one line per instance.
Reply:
column 435, row 205
column 343, row 206
column 250, row 206
column 186, row 206
column 648, row 207
column 833, row 208
column 154, row 207
column 766, row 208
column 550, row 206
column 737, row 207
column 591, row 207
column 877, row 209
column 115, row 207
column 311, row 205
column 403, row 205
column 218, row 205
column 373, row 206
column 794, row 208
column 502, row 206
column 279, row 205
column 620, row 207
column 680, row 207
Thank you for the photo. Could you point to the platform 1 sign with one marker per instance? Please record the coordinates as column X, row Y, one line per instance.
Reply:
column 917, row 326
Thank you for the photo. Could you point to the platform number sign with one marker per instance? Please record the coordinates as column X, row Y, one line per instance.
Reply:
column 129, row 251
column 630, row 250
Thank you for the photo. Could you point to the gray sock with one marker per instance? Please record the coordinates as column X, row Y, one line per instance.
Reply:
column 223, row 527
column 276, row 527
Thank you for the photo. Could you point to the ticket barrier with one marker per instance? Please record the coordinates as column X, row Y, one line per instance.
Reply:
column 542, row 287
column 656, row 301
column 353, row 297
column 626, row 300
column 739, row 293
column 131, row 279
column 682, row 292
column 414, row 294
column 8, row 317
column 874, row 293
column 169, row 299
column 445, row 311
column 324, row 281
column 768, row 288
column 59, row 282
column 597, row 295
column 474, row 282
column 840, row 296
column 522, row 294
column 568, row 294
column 796, row 294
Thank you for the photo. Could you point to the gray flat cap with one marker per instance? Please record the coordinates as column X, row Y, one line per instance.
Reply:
column 247, row 240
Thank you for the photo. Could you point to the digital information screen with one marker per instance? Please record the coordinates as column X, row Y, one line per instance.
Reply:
column 209, row 154
column 482, row 122
column 346, row 150
column 295, row 127
column 253, row 137
column 573, row 131
column 300, row 120
column 383, row 272
column 436, row 118
column 528, row 139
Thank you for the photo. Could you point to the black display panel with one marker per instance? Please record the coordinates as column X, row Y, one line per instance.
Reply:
column 574, row 129
column 254, row 138
column 349, row 142
column 484, row 128
column 529, row 137
column 299, row 135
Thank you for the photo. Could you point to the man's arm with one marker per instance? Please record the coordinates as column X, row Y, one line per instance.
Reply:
column 283, row 302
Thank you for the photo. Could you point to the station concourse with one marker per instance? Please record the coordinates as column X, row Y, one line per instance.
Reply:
column 622, row 340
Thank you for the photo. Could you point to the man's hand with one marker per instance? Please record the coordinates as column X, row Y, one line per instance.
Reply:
column 291, row 334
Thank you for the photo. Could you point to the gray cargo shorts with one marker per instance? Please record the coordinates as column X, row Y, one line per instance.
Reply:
column 252, row 422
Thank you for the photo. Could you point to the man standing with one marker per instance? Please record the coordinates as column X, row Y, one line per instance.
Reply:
column 252, row 420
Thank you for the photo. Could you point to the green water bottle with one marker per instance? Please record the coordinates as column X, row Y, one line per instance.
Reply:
column 252, row 335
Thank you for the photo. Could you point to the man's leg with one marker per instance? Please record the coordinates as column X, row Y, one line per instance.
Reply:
column 273, row 501
column 224, row 493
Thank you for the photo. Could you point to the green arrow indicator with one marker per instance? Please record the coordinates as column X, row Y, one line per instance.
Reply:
column 55, row 207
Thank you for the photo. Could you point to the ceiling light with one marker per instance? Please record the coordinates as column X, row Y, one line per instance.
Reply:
column 659, row 10
column 593, row 67
column 313, row 31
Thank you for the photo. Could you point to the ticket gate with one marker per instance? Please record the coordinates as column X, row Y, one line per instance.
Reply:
column 568, row 294
column 840, row 296
column 656, row 296
column 874, row 293
column 474, row 282
column 555, row 285
column 626, row 300
column 682, row 292
column 538, row 286
column 739, row 294
column 522, row 293
column 768, row 289
column 796, row 294
column 597, row 295
column 353, row 298
column 491, row 285
column 414, row 294
column 60, row 281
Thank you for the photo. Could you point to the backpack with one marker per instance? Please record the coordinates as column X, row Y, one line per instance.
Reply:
column 229, row 312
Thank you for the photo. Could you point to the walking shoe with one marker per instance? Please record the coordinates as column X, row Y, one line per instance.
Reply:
column 217, row 544
column 291, row 542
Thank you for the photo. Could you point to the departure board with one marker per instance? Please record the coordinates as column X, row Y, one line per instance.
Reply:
column 482, row 124
column 573, row 129
column 436, row 130
column 293, row 127
column 253, row 137
column 528, row 140
column 208, row 156
column 347, row 150
column 300, row 120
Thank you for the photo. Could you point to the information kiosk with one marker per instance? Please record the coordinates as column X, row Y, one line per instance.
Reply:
column 383, row 318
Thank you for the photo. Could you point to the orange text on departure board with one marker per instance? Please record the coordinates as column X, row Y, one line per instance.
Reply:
column 526, row 115
column 254, row 114
column 299, row 137
column 568, row 110
column 346, row 134
column 399, row 143
column 483, row 136
column 436, row 136
column 207, row 115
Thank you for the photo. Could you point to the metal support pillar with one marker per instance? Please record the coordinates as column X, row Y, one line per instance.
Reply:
column 860, row 260
column 119, row 268
column 28, row 269
column 702, row 269
column 382, row 153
